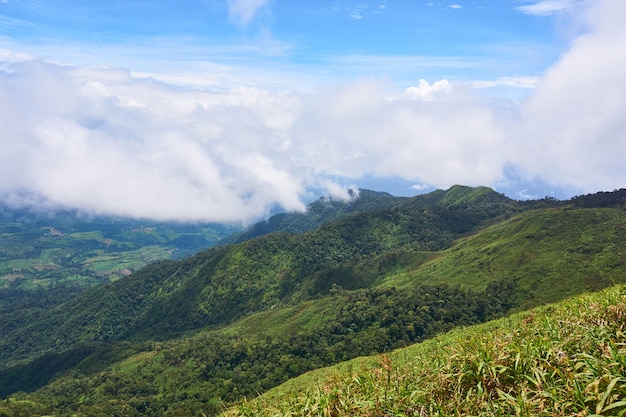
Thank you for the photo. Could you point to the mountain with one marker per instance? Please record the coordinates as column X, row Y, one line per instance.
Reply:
column 328, row 209
column 184, row 336
column 224, row 283
column 323, row 210
column 43, row 248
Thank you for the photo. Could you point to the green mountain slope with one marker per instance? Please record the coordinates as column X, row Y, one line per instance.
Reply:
column 228, row 282
column 319, row 212
column 233, row 321
column 564, row 359
column 548, row 254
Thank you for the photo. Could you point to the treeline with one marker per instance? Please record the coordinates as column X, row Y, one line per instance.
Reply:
column 205, row 373
column 616, row 198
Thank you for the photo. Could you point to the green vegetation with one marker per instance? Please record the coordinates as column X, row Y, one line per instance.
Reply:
column 185, row 337
column 218, row 286
column 559, row 360
column 71, row 249
column 318, row 213
column 224, row 365
column 549, row 254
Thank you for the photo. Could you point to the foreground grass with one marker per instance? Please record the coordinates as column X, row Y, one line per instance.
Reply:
column 559, row 360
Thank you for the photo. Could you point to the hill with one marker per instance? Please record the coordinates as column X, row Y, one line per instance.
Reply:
column 328, row 209
column 319, row 212
column 563, row 359
column 236, row 320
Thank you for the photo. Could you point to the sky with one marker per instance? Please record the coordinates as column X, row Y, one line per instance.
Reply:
column 228, row 110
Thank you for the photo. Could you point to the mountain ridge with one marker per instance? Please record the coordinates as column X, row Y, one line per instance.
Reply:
column 318, row 212
column 173, row 297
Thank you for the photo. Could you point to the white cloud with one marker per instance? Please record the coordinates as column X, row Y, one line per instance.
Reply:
column 108, row 140
column 550, row 7
column 420, row 187
column 358, row 130
column 455, row 6
column 428, row 92
column 356, row 14
column 337, row 192
column 8, row 56
column 361, row 10
column 243, row 11
column 573, row 125
column 102, row 140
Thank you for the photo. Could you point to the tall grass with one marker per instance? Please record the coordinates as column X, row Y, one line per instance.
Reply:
column 567, row 359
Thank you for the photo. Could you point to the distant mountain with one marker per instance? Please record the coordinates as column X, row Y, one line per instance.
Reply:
column 326, row 209
column 319, row 212
column 185, row 336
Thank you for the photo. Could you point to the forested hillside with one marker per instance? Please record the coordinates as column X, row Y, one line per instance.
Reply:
column 565, row 359
column 184, row 337
column 219, row 285
column 323, row 210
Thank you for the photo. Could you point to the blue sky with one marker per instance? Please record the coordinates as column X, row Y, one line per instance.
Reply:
column 331, row 40
column 232, row 107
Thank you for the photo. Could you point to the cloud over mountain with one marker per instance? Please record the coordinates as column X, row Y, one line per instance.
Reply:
column 108, row 140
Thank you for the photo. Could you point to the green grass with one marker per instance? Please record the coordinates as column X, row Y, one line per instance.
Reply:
column 558, row 360
column 92, row 235
column 537, row 250
column 283, row 321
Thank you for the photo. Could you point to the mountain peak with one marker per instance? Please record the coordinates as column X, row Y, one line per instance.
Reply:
column 463, row 194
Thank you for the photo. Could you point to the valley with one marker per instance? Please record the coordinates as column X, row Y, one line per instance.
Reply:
column 57, row 247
